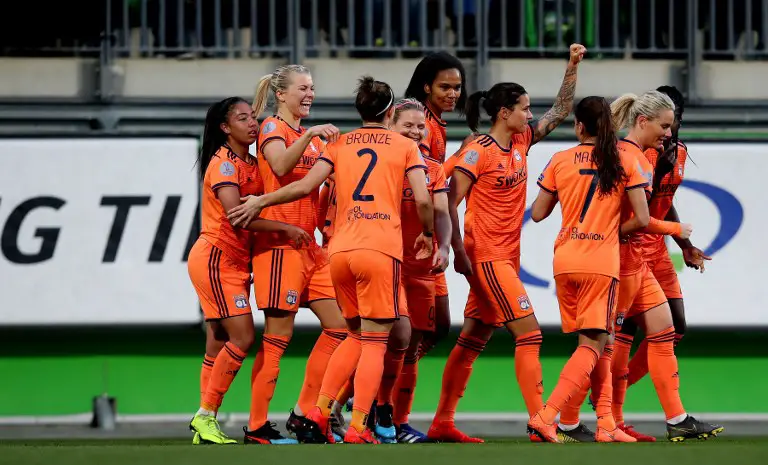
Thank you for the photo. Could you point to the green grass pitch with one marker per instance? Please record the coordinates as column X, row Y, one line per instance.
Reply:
column 743, row 451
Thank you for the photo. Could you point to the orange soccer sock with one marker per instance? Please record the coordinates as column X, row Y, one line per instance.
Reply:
column 224, row 369
column 205, row 374
column 368, row 376
column 663, row 368
column 266, row 370
column 340, row 369
column 405, row 389
column 575, row 374
column 569, row 414
column 619, row 373
column 528, row 370
column 393, row 365
column 456, row 375
column 602, row 388
column 317, row 363
column 638, row 365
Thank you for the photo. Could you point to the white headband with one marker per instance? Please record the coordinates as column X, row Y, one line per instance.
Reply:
column 391, row 100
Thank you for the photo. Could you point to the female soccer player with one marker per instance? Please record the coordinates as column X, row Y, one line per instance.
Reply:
column 649, row 119
column 369, row 165
column 419, row 286
column 439, row 83
column 669, row 169
column 491, row 171
column 218, row 262
column 292, row 278
column 590, row 182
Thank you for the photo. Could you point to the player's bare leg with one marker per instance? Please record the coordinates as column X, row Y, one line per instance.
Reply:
column 442, row 325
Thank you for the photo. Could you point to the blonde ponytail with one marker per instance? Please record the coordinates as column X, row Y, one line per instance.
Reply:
column 626, row 109
column 621, row 108
column 262, row 94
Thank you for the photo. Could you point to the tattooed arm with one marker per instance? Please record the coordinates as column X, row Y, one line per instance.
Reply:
column 564, row 100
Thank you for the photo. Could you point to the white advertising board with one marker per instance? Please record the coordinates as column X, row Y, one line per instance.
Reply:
column 94, row 231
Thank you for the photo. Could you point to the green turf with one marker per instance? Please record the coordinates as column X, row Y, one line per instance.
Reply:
column 151, row 452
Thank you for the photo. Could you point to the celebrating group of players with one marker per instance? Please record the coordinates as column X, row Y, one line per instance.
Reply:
column 389, row 217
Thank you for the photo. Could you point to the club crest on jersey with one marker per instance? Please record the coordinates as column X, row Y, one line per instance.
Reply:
column 524, row 303
column 292, row 297
column 471, row 157
column 620, row 319
column 312, row 147
column 227, row 169
column 427, row 179
column 269, row 127
column 680, row 170
column 241, row 301
column 518, row 157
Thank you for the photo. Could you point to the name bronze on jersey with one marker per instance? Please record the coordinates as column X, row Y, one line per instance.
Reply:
column 381, row 138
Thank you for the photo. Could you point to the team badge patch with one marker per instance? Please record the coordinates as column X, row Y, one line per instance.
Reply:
column 241, row 301
column 227, row 169
column 292, row 297
column 518, row 157
column 471, row 157
column 427, row 179
column 620, row 319
column 269, row 127
column 680, row 170
column 524, row 303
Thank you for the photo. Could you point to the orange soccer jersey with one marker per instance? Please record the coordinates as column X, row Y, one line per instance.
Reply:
column 370, row 164
column 411, row 224
column 631, row 250
column 433, row 144
column 218, row 262
column 587, row 289
column 496, row 202
column 302, row 212
column 661, row 203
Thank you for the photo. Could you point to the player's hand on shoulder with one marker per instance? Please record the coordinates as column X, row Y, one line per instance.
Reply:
column 577, row 53
column 328, row 132
column 469, row 139
column 243, row 214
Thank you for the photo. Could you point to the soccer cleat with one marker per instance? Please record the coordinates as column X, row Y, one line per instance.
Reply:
column 617, row 435
column 406, row 434
column 338, row 424
column 209, row 430
column 691, row 428
column 580, row 434
column 545, row 432
column 317, row 429
column 355, row 437
column 371, row 419
column 446, row 431
column 384, row 429
column 295, row 423
column 630, row 430
column 196, row 439
column 267, row 434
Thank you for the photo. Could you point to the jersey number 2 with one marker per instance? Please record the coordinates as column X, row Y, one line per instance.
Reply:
column 590, row 192
column 358, row 196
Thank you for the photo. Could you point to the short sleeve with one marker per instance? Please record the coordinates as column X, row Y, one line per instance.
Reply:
column 450, row 165
column 320, row 144
column 547, row 177
column 636, row 178
column 440, row 183
column 271, row 129
column 414, row 159
column 329, row 155
column 470, row 161
column 223, row 172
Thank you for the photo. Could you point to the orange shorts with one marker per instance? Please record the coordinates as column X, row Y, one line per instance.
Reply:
column 420, row 297
column 441, row 285
column 286, row 279
column 638, row 293
column 664, row 271
column 496, row 294
column 587, row 301
column 221, row 284
column 367, row 284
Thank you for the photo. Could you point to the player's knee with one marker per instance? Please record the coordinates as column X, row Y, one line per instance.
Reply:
column 400, row 335
column 243, row 337
column 678, row 316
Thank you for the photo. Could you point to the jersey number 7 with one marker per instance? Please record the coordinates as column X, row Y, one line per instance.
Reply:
column 358, row 196
column 590, row 192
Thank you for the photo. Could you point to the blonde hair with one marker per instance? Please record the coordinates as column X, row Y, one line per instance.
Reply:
column 626, row 109
column 279, row 80
column 406, row 104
